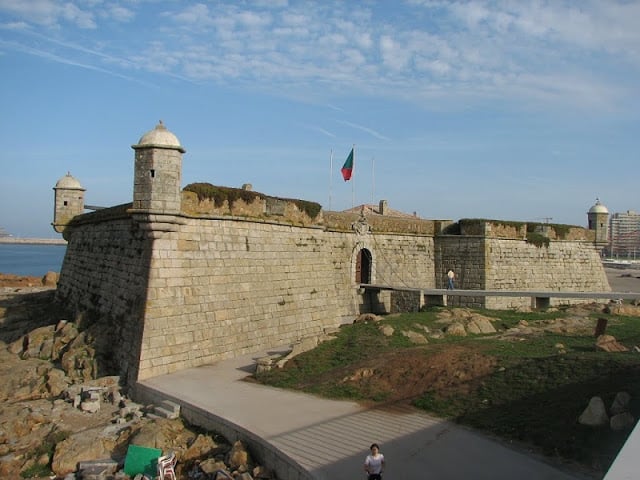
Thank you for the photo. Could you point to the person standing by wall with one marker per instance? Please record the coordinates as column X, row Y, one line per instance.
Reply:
column 451, row 277
column 374, row 463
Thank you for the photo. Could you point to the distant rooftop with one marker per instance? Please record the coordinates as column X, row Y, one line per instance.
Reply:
column 381, row 209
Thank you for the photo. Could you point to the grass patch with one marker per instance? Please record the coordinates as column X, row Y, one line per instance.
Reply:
column 534, row 393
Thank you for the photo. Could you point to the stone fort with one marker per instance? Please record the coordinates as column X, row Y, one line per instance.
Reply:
column 182, row 277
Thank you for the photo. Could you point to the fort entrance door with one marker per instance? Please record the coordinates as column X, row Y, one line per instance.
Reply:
column 363, row 266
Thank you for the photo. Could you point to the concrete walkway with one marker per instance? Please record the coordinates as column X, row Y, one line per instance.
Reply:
column 331, row 438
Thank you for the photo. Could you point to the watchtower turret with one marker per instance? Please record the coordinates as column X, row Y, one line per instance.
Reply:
column 598, row 216
column 68, row 201
column 157, row 177
column 157, row 172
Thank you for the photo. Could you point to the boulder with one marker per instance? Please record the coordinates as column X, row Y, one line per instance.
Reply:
column 415, row 337
column 620, row 403
column 211, row 466
column 456, row 329
column 624, row 309
column 387, row 330
column 90, row 444
column 164, row 434
column 238, row 456
column 480, row 324
column 622, row 421
column 50, row 279
column 204, row 446
column 595, row 415
column 608, row 343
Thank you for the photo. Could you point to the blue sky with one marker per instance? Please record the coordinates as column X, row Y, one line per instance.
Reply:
column 463, row 109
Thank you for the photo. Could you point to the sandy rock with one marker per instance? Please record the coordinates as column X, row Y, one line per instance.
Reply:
column 415, row 337
column 480, row 324
column 23, row 379
column 367, row 317
column 91, row 444
column 79, row 360
column 623, row 309
column 456, row 329
column 261, row 472
column 387, row 330
column 210, row 466
column 50, row 279
column 164, row 434
column 570, row 325
column 238, row 456
column 203, row 446
column 608, row 343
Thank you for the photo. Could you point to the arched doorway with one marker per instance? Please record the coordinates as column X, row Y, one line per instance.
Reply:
column 363, row 266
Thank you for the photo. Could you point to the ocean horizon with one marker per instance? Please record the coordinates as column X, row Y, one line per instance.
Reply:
column 31, row 259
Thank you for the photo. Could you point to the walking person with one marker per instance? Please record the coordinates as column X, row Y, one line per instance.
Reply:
column 374, row 463
column 450, row 276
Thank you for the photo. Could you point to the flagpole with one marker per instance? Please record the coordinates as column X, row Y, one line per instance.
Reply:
column 373, row 180
column 330, row 175
column 353, row 182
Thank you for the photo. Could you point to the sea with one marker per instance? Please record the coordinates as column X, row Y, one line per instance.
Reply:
column 30, row 259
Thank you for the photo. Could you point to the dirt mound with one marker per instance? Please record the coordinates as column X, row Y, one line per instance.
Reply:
column 403, row 375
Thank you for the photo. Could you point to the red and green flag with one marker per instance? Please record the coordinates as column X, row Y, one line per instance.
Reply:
column 347, row 168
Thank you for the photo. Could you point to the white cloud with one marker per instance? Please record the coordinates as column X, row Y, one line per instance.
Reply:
column 48, row 12
column 476, row 50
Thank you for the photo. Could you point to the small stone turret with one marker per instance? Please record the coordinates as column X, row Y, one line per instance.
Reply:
column 598, row 216
column 157, row 177
column 68, row 202
column 158, row 171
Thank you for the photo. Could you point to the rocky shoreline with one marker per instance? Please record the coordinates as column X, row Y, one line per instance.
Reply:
column 58, row 421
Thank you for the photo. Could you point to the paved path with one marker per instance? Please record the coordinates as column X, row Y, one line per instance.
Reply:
column 331, row 438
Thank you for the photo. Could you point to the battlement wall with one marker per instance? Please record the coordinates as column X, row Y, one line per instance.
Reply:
column 514, row 264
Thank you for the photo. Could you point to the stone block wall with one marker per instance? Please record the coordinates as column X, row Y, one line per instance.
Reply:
column 103, row 280
column 466, row 256
column 570, row 266
column 218, row 287
column 226, row 287
column 482, row 263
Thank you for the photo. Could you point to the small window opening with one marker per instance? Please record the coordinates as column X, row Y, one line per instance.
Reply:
column 153, row 173
column 65, row 203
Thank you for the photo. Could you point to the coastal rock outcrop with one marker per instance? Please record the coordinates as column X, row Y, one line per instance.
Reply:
column 58, row 418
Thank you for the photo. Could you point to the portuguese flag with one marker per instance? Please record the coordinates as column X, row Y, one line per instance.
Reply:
column 347, row 168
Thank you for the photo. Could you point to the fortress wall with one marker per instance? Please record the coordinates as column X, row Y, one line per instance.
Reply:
column 221, row 288
column 513, row 264
column 466, row 256
column 570, row 266
column 401, row 260
column 103, row 280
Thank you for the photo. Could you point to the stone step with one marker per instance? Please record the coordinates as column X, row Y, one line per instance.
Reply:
column 167, row 409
